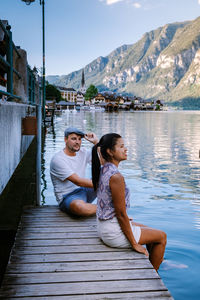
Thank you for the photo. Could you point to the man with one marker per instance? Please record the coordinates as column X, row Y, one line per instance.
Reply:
column 73, row 191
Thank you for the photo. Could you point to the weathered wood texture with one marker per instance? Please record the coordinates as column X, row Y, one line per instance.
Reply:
column 56, row 256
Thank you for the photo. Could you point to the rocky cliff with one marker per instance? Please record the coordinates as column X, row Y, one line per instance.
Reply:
column 164, row 63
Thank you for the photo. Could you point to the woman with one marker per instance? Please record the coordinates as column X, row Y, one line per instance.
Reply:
column 113, row 198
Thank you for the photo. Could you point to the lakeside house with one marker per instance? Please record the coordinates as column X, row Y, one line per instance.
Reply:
column 109, row 100
column 80, row 99
column 114, row 101
column 68, row 94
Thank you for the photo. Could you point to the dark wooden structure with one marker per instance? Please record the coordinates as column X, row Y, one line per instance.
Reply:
column 59, row 257
column 49, row 115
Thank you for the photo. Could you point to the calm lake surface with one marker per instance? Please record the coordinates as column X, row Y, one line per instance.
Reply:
column 163, row 174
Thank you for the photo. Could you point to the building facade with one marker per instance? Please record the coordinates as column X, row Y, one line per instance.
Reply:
column 69, row 94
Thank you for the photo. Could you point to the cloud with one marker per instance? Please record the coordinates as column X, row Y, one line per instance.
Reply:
column 135, row 4
column 138, row 5
column 199, row 2
column 110, row 2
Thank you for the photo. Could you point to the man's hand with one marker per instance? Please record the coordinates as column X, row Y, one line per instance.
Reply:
column 91, row 137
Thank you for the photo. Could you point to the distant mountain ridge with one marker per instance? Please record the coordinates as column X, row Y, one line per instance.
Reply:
column 164, row 64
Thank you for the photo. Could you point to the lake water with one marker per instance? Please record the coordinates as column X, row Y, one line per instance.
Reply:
column 163, row 173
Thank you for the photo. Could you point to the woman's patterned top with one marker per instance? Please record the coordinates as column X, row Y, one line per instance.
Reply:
column 105, row 208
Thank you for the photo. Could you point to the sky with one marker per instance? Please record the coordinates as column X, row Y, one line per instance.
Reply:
column 79, row 31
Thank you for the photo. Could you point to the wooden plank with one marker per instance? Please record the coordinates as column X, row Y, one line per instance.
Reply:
column 54, row 235
column 53, row 213
column 79, row 276
column 30, row 207
column 53, row 225
column 62, row 217
column 42, row 210
column 162, row 295
column 63, row 249
column 53, row 220
column 79, row 266
column 60, row 229
column 78, row 288
column 55, row 217
column 67, row 257
column 65, row 242
column 48, row 215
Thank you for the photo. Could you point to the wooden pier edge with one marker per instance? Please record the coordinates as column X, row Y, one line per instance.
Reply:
column 56, row 256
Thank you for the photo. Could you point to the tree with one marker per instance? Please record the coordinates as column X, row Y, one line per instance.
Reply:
column 91, row 92
column 52, row 93
column 157, row 106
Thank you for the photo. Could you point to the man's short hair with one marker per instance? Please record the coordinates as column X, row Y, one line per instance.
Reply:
column 71, row 130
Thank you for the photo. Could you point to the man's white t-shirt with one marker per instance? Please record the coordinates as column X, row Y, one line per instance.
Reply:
column 62, row 166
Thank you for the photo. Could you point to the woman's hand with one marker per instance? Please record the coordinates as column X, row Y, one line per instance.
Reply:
column 139, row 248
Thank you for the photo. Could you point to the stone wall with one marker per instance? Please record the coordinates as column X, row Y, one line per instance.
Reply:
column 13, row 144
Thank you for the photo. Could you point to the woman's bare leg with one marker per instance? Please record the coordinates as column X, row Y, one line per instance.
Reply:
column 149, row 247
column 156, row 242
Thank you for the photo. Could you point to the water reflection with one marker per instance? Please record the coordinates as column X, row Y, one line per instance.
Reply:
column 163, row 173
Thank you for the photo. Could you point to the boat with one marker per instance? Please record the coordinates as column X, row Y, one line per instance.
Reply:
column 93, row 108
column 85, row 107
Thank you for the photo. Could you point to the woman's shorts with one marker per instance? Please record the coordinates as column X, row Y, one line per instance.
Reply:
column 111, row 234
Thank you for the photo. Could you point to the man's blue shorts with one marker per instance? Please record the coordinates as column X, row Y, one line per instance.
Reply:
column 86, row 194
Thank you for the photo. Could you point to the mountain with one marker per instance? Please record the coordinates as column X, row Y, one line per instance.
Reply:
column 164, row 64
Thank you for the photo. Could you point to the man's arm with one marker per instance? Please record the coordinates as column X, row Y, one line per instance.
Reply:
column 83, row 182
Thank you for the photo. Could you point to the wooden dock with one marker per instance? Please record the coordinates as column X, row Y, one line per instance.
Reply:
column 59, row 257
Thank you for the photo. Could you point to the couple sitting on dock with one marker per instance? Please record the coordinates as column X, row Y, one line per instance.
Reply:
column 75, row 193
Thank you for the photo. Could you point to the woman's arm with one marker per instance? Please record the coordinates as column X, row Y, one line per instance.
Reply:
column 117, row 187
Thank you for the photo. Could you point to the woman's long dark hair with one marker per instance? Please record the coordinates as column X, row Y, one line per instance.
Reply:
column 107, row 141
